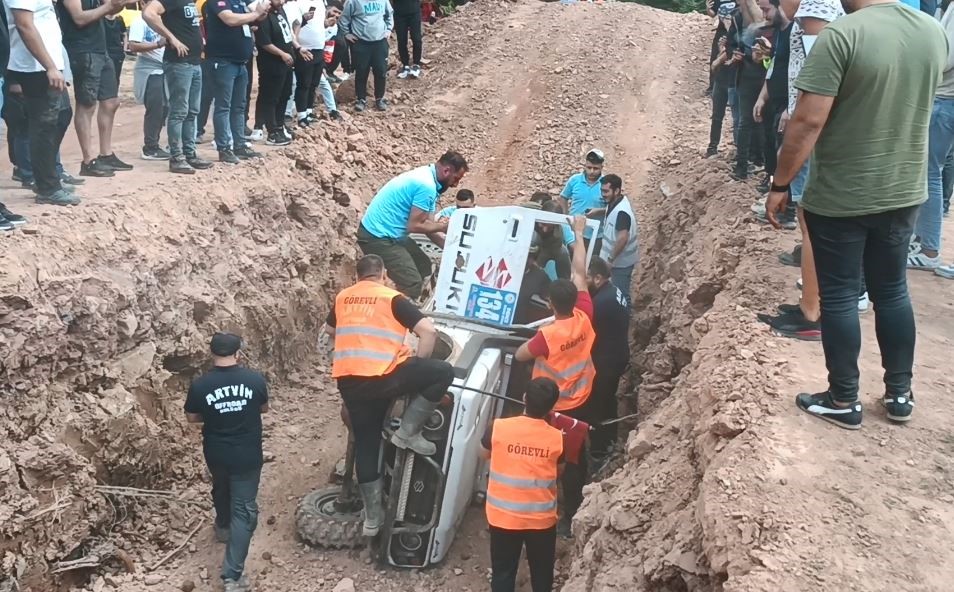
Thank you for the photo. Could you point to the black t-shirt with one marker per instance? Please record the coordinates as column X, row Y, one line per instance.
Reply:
column 611, row 325
column 182, row 19
column 777, row 83
column 230, row 399
column 233, row 44
column 274, row 30
column 115, row 44
column 78, row 40
column 532, row 299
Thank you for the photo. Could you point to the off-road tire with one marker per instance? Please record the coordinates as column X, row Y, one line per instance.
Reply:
column 320, row 525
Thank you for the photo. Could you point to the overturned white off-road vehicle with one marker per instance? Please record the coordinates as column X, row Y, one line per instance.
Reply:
column 473, row 305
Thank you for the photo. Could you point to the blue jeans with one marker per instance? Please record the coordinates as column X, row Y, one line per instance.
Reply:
column 229, row 82
column 940, row 141
column 184, row 94
column 234, row 496
column 798, row 184
column 621, row 277
column 840, row 247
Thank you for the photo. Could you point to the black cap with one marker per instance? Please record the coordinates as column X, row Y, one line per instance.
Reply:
column 225, row 344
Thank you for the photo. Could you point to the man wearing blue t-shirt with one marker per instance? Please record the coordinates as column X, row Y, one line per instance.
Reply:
column 581, row 195
column 406, row 205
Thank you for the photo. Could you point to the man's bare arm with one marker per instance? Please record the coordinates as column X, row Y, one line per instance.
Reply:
column 246, row 18
column 622, row 237
column 84, row 18
column 420, row 222
column 801, row 134
column 578, row 264
column 426, row 337
column 31, row 38
column 523, row 353
column 152, row 14
column 194, row 417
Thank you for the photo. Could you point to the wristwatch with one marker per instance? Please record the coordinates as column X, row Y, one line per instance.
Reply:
column 779, row 188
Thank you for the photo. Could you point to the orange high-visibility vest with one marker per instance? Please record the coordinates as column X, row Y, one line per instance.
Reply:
column 522, row 490
column 369, row 341
column 568, row 363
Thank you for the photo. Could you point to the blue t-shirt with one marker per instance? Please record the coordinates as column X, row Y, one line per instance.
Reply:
column 223, row 42
column 583, row 196
column 389, row 211
column 915, row 4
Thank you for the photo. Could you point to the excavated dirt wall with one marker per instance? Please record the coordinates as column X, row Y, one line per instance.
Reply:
column 100, row 339
column 668, row 519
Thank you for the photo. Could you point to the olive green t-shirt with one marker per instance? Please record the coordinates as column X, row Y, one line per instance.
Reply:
column 882, row 64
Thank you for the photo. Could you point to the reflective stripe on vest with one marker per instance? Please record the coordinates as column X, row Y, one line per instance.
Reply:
column 369, row 341
column 522, row 488
column 570, row 367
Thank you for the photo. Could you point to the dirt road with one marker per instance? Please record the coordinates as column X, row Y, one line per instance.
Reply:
column 105, row 312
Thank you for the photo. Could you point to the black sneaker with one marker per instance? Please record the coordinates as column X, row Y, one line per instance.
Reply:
column 114, row 163
column 739, row 175
column 311, row 118
column 793, row 324
column 277, row 139
column 564, row 528
column 60, row 197
column 248, row 131
column 793, row 258
column 5, row 225
column 710, row 152
column 18, row 175
column 154, row 154
column 95, row 168
column 789, row 308
column 335, row 116
column 180, row 166
column 197, row 163
column 15, row 219
column 304, row 122
column 764, row 186
column 381, row 104
column 898, row 407
column 821, row 406
column 228, row 157
column 70, row 179
column 333, row 79
column 246, row 153
column 361, row 105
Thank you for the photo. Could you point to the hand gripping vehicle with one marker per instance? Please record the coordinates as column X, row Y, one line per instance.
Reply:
column 481, row 269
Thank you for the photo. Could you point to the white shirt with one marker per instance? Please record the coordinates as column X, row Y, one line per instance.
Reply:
column 311, row 36
column 140, row 32
column 44, row 19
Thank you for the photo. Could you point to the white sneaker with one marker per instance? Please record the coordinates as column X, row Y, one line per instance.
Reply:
column 404, row 72
column 945, row 271
column 798, row 284
column 257, row 135
column 864, row 303
column 914, row 246
column 415, row 71
column 921, row 261
column 758, row 208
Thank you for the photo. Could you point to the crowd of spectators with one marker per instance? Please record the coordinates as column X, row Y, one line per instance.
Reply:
column 193, row 59
column 847, row 109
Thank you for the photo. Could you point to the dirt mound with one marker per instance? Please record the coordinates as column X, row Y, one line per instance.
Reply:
column 106, row 316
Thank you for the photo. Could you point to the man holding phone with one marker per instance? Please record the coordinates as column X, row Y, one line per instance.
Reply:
column 36, row 64
column 308, row 19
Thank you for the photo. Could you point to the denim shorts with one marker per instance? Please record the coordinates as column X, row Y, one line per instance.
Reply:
column 94, row 78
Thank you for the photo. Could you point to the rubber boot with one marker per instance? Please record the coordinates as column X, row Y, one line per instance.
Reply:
column 412, row 422
column 372, row 494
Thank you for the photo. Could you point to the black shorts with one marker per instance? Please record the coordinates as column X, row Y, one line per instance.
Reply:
column 94, row 78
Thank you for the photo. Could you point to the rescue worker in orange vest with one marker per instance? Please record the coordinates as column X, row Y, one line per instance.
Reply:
column 525, row 453
column 373, row 366
column 561, row 351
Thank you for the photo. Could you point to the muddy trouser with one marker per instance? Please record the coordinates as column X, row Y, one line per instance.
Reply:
column 234, row 497
column 750, row 135
column 370, row 56
column 552, row 249
column 575, row 475
column 406, row 263
column 606, row 403
column 45, row 108
column 368, row 401
column 505, row 548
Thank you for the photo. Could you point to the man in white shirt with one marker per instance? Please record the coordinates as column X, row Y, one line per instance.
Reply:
column 36, row 63
column 307, row 18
